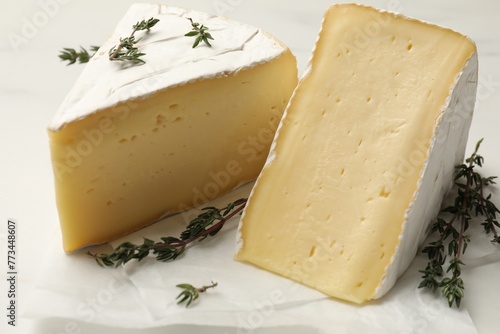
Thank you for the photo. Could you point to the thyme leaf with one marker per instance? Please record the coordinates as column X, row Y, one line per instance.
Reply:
column 190, row 293
column 200, row 32
column 72, row 56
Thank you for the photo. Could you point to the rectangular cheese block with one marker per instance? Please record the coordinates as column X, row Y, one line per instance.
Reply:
column 131, row 144
column 364, row 154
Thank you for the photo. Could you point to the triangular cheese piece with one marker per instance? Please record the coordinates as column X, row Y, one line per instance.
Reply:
column 364, row 154
column 131, row 144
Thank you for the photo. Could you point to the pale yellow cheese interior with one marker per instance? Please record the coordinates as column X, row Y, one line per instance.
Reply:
column 327, row 210
column 124, row 167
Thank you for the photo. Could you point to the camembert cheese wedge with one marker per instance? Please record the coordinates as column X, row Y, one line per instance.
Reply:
column 131, row 144
column 364, row 154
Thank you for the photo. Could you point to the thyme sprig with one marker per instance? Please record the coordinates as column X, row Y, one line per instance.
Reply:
column 206, row 224
column 126, row 50
column 453, row 241
column 200, row 32
column 72, row 56
column 190, row 293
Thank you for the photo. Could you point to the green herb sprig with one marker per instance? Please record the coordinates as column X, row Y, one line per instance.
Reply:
column 126, row 49
column 82, row 56
column 200, row 32
column 453, row 240
column 208, row 223
column 190, row 293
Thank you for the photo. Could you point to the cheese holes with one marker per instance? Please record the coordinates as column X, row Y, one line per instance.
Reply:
column 159, row 119
column 173, row 106
column 123, row 141
column 409, row 47
column 384, row 193
column 312, row 251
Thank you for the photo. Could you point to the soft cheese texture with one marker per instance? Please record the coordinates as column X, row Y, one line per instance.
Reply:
column 364, row 154
column 131, row 144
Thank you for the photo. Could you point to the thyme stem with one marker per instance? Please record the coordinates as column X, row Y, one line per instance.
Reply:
column 120, row 46
column 214, row 227
column 131, row 53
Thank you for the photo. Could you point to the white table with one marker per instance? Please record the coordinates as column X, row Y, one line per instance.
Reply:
column 34, row 82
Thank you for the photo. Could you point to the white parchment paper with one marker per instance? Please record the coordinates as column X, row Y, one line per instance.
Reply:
column 74, row 295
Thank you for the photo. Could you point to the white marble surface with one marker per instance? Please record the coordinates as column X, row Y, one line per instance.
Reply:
column 33, row 84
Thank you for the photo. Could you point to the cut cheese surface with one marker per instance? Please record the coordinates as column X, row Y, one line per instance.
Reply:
column 133, row 144
column 364, row 154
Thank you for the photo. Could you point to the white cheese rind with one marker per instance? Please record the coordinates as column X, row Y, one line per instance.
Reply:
column 235, row 47
column 446, row 151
